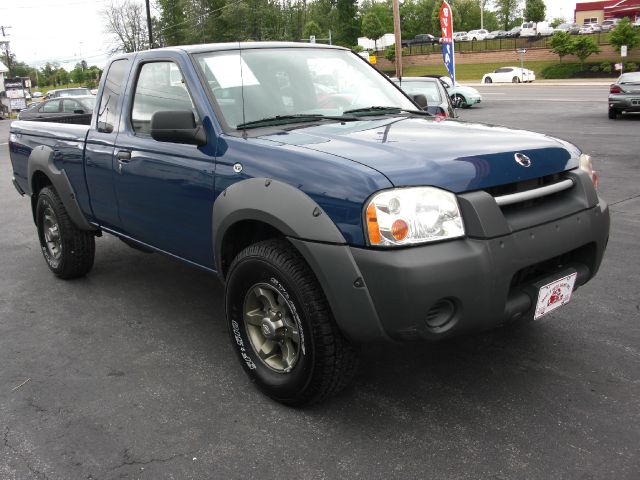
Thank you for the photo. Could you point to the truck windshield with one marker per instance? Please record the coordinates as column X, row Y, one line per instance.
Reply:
column 278, row 82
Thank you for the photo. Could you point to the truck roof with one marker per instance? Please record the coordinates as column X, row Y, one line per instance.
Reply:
column 208, row 47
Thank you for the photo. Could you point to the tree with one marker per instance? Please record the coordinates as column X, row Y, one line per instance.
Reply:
column 557, row 21
column 583, row 46
column 535, row 10
column 311, row 29
column 561, row 44
column 372, row 28
column 126, row 24
column 77, row 74
column 348, row 26
column 625, row 34
column 507, row 12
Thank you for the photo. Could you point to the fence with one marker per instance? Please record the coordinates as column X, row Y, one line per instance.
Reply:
column 601, row 38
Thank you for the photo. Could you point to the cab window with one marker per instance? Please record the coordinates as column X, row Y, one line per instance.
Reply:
column 160, row 87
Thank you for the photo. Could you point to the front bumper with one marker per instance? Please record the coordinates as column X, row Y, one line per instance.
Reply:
column 489, row 278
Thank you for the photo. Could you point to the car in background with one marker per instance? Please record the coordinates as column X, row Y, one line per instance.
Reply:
column 59, row 107
column 533, row 29
column 596, row 27
column 480, row 34
column 572, row 28
column 509, row 75
column 67, row 92
column 460, row 37
column 461, row 95
column 610, row 24
column 438, row 101
column 586, row 30
column 514, row 32
column 636, row 23
column 624, row 95
column 496, row 34
column 421, row 39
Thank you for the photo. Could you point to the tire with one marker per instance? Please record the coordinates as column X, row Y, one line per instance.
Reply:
column 515, row 80
column 275, row 305
column 488, row 80
column 68, row 251
column 613, row 113
column 459, row 101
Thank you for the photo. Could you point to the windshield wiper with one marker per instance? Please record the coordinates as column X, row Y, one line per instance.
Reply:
column 376, row 110
column 302, row 117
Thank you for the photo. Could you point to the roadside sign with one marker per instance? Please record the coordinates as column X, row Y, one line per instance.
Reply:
column 373, row 59
column 623, row 51
column 312, row 39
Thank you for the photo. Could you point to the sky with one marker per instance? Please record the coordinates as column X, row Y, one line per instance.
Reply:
column 68, row 31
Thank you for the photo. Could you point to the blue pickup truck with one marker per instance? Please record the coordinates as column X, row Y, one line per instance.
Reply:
column 333, row 209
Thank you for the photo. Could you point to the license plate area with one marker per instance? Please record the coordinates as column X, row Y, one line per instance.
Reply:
column 635, row 101
column 554, row 295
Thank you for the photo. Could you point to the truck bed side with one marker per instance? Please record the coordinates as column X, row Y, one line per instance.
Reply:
column 67, row 142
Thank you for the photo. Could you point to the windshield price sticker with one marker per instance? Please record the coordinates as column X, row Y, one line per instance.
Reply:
column 554, row 295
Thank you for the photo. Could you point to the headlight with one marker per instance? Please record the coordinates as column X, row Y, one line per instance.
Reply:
column 408, row 216
column 587, row 166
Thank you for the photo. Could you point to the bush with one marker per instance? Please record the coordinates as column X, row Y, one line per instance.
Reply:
column 562, row 70
column 357, row 48
column 390, row 53
column 606, row 67
column 630, row 67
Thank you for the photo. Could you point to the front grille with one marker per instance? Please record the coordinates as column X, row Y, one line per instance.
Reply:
column 504, row 194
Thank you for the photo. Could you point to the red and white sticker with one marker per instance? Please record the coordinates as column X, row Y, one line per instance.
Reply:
column 554, row 295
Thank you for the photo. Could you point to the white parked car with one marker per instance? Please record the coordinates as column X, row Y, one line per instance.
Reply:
column 481, row 34
column 610, row 24
column 533, row 29
column 509, row 75
column 460, row 37
column 586, row 30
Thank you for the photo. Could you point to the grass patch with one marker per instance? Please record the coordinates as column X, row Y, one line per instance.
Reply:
column 474, row 72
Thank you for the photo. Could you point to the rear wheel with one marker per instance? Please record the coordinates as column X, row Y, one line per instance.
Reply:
column 613, row 113
column 68, row 251
column 281, row 326
column 515, row 80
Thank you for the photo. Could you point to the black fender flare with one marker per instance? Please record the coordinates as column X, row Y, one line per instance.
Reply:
column 41, row 160
column 275, row 203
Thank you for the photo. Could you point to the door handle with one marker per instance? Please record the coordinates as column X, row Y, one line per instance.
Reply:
column 124, row 156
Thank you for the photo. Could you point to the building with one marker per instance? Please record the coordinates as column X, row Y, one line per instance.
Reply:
column 3, row 71
column 596, row 12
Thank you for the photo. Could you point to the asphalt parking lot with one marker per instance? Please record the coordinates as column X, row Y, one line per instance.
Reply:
column 129, row 373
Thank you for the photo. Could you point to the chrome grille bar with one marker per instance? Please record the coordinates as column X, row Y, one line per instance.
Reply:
column 534, row 193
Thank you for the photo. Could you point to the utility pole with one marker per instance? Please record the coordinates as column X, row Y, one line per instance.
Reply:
column 7, row 50
column 149, row 25
column 398, row 37
column 482, row 14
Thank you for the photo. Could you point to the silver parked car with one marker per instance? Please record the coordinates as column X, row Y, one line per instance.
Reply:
column 624, row 95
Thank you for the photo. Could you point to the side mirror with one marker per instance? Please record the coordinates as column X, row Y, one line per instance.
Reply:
column 78, row 111
column 420, row 100
column 177, row 126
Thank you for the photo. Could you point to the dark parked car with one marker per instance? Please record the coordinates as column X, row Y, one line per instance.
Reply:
column 624, row 95
column 438, row 101
column 421, row 39
column 514, row 32
column 59, row 107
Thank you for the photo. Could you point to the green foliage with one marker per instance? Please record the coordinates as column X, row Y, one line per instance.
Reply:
column 557, row 21
column 561, row 44
column 625, row 34
column 606, row 67
column 630, row 67
column 357, row 48
column 562, row 70
column 535, row 10
column 390, row 53
column 311, row 29
column 583, row 47
column 416, row 18
column 372, row 27
column 507, row 12
column 347, row 23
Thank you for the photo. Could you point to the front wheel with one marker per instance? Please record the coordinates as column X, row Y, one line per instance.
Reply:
column 68, row 251
column 459, row 101
column 488, row 80
column 281, row 326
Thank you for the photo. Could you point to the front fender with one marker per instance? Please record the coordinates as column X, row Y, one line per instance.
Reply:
column 278, row 204
column 41, row 160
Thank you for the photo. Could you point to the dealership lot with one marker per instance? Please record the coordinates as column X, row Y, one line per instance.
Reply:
column 129, row 372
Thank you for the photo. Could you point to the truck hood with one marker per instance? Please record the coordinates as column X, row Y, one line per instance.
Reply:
column 454, row 155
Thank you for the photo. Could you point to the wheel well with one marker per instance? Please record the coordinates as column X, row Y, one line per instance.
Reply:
column 242, row 234
column 38, row 182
